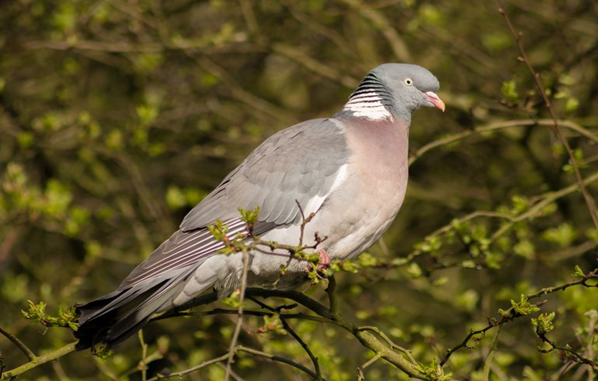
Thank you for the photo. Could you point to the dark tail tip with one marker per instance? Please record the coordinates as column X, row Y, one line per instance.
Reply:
column 115, row 317
column 95, row 321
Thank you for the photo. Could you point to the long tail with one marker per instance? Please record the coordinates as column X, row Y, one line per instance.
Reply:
column 113, row 318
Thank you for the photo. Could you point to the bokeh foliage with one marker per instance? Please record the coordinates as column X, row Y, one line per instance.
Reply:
column 117, row 116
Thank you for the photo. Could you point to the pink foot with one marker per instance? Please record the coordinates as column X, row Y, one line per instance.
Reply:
column 324, row 259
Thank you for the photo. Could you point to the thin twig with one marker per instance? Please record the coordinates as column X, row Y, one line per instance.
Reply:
column 499, row 126
column 191, row 370
column 272, row 357
column 234, row 375
column 589, row 353
column 292, row 332
column 366, row 338
column 510, row 315
column 15, row 340
column 360, row 369
column 541, row 201
column 490, row 356
column 306, row 348
column 142, row 366
column 591, row 204
column 39, row 360
column 237, row 332
column 565, row 350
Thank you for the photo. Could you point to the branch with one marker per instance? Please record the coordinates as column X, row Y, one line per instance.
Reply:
column 499, row 126
column 283, row 360
column 39, row 360
column 316, row 67
column 546, row 199
column 581, row 282
column 368, row 339
column 306, row 348
column 233, row 343
column 360, row 369
column 238, row 348
column 542, row 201
column 148, row 47
column 510, row 314
column 292, row 332
column 381, row 22
column 591, row 204
column 191, row 370
column 238, row 92
column 567, row 350
column 30, row 355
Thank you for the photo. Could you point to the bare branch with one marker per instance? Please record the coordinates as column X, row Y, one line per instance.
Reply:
column 591, row 204
column 191, row 370
column 292, row 332
column 499, row 126
column 39, row 360
column 30, row 355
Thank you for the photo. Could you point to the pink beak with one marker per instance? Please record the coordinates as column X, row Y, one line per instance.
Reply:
column 435, row 100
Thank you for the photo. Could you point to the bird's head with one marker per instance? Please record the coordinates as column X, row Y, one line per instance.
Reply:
column 400, row 88
column 411, row 85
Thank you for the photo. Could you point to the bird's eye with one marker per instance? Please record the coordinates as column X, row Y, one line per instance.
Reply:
column 408, row 81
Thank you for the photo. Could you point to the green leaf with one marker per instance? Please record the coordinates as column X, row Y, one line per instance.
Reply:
column 579, row 272
column 367, row 260
column 273, row 324
column 509, row 90
column 571, row 105
column 433, row 371
column 563, row 235
column 175, row 198
column 250, row 216
column 525, row 249
column 67, row 316
column 414, row 270
column 523, row 307
column 233, row 300
column 543, row 323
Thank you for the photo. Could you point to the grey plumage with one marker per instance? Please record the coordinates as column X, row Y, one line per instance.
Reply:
column 351, row 170
column 295, row 164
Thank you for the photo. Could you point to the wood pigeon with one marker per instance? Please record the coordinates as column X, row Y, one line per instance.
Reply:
column 349, row 170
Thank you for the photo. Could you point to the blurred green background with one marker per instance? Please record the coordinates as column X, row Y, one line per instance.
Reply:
column 118, row 116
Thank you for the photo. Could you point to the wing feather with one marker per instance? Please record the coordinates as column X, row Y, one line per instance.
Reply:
column 300, row 164
column 303, row 157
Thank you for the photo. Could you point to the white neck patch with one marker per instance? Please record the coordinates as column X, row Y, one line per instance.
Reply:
column 369, row 106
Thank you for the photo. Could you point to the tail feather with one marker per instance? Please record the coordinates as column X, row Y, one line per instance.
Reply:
column 113, row 318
